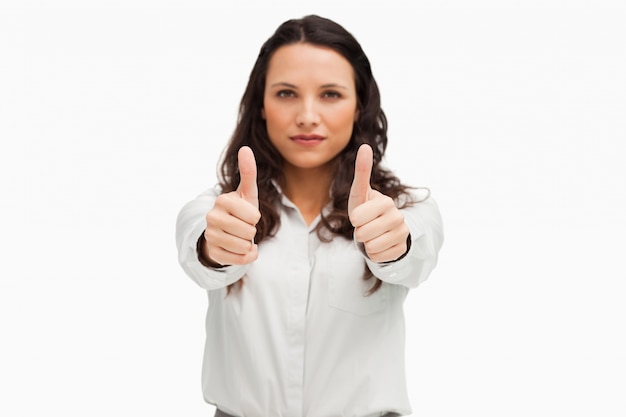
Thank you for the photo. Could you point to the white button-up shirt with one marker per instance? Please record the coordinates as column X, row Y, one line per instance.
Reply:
column 301, row 337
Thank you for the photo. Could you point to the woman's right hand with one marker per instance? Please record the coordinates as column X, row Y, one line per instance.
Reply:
column 231, row 224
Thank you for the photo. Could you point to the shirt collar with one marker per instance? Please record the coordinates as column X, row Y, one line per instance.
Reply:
column 285, row 201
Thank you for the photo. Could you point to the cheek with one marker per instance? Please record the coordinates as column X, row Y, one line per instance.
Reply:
column 344, row 119
column 273, row 114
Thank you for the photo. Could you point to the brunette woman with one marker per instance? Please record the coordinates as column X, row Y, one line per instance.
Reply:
column 308, row 246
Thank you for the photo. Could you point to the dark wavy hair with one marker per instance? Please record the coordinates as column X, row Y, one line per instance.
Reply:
column 369, row 128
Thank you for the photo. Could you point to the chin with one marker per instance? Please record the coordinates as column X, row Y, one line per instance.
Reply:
column 309, row 163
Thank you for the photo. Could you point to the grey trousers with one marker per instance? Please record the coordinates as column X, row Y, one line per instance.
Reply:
column 219, row 413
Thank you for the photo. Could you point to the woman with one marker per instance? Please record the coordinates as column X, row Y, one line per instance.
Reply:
column 308, row 247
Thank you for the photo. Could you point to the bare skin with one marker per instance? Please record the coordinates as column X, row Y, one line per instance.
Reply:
column 310, row 107
column 378, row 223
column 231, row 223
column 308, row 190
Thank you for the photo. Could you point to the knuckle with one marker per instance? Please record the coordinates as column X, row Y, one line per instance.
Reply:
column 250, row 233
column 208, row 236
column 355, row 217
column 244, row 246
column 387, row 201
column 211, row 218
column 397, row 221
column 221, row 200
column 251, row 257
column 211, row 237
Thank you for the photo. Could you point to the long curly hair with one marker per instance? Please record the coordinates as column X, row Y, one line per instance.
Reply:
column 369, row 128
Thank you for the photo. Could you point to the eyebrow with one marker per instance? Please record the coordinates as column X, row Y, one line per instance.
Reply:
column 283, row 84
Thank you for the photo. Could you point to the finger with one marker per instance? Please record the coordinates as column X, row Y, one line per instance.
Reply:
column 224, row 257
column 247, row 189
column 230, row 243
column 219, row 228
column 388, row 255
column 376, row 217
column 376, row 205
column 359, row 192
column 232, row 208
column 386, row 240
column 238, row 228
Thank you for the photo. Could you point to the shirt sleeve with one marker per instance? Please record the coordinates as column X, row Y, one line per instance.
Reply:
column 190, row 225
column 426, row 234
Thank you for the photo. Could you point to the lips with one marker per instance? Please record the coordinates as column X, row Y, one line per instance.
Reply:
column 307, row 140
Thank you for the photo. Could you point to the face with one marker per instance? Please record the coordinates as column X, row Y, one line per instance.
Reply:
column 309, row 105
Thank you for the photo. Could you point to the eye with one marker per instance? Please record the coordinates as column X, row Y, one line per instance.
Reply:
column 285, row 94
column 331, row 94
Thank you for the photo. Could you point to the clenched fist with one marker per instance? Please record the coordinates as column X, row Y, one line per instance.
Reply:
column 231, row 223
column 377, row 222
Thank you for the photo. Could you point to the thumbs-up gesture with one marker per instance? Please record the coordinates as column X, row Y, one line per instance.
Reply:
column 231, row 223
column 377, row 222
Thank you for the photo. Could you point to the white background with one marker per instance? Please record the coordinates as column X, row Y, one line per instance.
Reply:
column 113, row 115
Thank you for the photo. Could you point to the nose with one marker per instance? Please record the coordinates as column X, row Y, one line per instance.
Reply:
column 308, row 114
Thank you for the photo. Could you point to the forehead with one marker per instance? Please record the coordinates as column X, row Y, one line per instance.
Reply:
column 307, row 62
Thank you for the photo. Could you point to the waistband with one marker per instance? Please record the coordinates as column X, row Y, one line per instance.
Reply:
column 220, row 413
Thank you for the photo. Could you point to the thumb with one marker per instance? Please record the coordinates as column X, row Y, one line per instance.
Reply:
column 247, row 189
column 360, row 190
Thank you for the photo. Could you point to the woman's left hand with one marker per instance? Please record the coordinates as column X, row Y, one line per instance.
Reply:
column 377, row 222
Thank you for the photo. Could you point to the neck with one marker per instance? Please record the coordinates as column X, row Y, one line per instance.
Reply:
column 308, row 189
